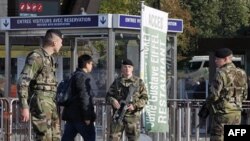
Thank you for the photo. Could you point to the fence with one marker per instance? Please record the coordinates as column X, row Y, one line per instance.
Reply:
column 12, row 129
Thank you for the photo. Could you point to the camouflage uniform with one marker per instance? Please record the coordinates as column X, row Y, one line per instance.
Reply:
column 119, row 91
column 36, row 89
column 228, row 91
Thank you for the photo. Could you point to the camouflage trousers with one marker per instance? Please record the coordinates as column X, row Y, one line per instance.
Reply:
column 218, row 122
column 131, row 126
column 45, row 119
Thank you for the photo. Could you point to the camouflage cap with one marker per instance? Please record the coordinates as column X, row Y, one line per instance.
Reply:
column 223, row 52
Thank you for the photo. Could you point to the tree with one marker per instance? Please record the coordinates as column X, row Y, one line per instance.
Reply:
column 202, row 18
column 132, row 7
column 178, row 10
column 205, row 16
column 114, row 7
column 234, row 14
column 219, row 18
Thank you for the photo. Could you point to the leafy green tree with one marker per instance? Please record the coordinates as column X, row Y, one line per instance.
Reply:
column 178, row 10
column 202, row 18
column 234, row 14
column 132, row 7
column 218, row 18
column 205, row 16
column 114, row 7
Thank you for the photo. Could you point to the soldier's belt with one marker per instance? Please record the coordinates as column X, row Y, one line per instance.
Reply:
column 46, row 93
column 46, row 88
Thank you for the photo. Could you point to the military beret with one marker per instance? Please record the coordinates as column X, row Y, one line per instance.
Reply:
column 223, row 52
column 127, row 62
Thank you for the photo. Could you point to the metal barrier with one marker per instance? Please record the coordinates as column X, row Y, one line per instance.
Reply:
column 12, row 129
column 188, row 119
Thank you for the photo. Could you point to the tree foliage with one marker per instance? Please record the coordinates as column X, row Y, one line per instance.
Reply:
column 132, row 7
column 114, row 7
column 202, row 18
column 205, row 16
column 176, row 10
column 234, row 14
column 219, row 18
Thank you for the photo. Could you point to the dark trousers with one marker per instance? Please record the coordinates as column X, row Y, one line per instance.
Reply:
column 72, row 128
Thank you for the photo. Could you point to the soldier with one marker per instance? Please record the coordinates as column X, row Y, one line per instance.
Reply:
column 36, row 88
column 118, row 91
column 228, row 91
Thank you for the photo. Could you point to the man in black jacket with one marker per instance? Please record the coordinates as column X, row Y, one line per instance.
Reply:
column 79, row 114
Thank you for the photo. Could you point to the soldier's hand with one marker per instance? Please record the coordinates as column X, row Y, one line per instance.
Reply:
column 87, row 122
column 25, row 114
column 116, row 104
column 131, row 107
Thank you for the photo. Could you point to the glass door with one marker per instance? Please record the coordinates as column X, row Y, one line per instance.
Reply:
column 97, row 48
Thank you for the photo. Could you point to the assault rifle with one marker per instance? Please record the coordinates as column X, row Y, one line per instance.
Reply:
column 204, row 112
column 120, row 113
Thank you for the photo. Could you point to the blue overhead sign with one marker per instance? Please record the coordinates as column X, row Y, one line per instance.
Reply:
column 81, row 21
column 175, row 25
column 129, row 21
column 133, row 22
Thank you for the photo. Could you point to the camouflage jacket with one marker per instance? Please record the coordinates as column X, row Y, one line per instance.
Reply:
column 228, row 90
column 38, row 74
column 119, row 91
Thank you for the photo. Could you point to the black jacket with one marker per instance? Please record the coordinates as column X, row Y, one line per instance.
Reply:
column 81, row 108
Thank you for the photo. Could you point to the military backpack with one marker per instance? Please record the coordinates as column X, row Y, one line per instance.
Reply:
column 235, row 80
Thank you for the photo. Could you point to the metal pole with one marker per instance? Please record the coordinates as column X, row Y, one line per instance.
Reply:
column 7, row 80
column 111, row 57
column 110, row 71
column 173, row 94
column 197, row 133
column 7, row 65
column 73, row 55
column 104, row 121
column 142, row 45
column 188, row 121
column 179, row 124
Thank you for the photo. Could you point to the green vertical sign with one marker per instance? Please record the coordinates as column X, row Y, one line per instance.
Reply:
column 153, row 48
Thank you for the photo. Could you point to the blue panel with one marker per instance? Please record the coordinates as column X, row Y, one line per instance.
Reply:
column 132, row 21
column 175, row 25
column 54, row 22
